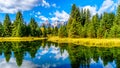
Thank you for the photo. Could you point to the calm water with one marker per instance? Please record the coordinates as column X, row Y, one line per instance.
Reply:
column 42, row 54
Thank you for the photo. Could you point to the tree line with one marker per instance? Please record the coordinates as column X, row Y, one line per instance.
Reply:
column 20, row 29
column 82, row 24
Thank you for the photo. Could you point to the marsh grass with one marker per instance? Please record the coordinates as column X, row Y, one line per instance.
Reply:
column 20, row 38
column 88, row 41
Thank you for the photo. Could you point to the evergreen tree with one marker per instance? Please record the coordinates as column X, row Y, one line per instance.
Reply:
column 73, row 26
column 91, row 30
column 62, row 31
column 44, row 31
column 33, row 27
column 19, row 31
column 115, row 31
column 105, row 24
column 87, row 16
column 39, row 32
column 96, row 23
column 1, row 30
column 18, row 25
column 82, row 16
column 7, row 26
column 117, row 18
column 70, row 21
column 55, row 31
column 74, row 29
column 84, row 31
column 49, row 30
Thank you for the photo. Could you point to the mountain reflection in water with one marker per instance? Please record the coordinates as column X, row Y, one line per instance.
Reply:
column 43, row 54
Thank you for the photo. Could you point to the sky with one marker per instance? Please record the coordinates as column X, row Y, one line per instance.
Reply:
column 52, row 10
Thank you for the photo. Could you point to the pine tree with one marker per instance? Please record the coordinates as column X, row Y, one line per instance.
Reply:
column 87, row 16
column 49, row 30
column 106, row 24
column 33, row 27
column 115, row 30
column 91, row 30
column 82, row 16
column 96, row 23
column 70, row 21
column 7, row 26
column 18, row 25
column 74, row 30
column 39, row 32
column 1, row 30
column 19, row 31
column 73, row 26
column 55, row 31
column 117, row 18
column 62, row 31
column 44, row 31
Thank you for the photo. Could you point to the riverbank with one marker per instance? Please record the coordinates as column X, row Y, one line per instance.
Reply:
column 20, row 38
column 87, row 41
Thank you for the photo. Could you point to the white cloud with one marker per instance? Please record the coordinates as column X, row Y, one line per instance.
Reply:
column 61, row 16
column 13, row 6
column 38, row 13
column 92, row 9
column 39, row 16
column 43, row 18
column 54, row 5
column 8, row 6
column 54, row 19
column 45, row 4
column 107, row 6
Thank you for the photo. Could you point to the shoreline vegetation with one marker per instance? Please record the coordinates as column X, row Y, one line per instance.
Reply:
column 3, row 39
column 90, row 42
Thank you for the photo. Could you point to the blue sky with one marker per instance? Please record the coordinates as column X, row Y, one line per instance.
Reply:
column 52, row 10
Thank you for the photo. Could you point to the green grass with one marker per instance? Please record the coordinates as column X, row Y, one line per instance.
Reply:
column 113, row 42
column 20, row 38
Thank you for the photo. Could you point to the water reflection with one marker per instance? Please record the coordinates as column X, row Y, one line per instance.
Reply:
column 12, row 64
column 42, row 54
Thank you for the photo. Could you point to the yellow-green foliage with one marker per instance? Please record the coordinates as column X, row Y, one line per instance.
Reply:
column 20, row 38
column 88, row 41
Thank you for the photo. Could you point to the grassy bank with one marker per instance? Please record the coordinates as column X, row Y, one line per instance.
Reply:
column 78, row 41
column 20, row 38
column 88, row 41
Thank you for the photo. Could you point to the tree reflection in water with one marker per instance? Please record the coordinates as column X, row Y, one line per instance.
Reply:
column 75, row 56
